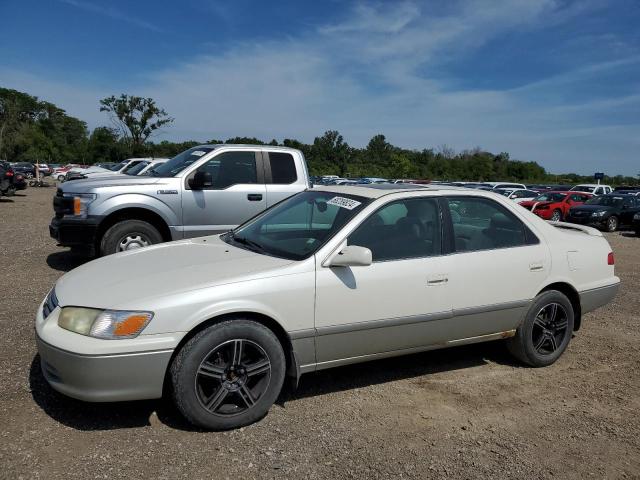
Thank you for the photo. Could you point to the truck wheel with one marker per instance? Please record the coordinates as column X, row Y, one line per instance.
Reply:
column 545, row 332
column 228, row 375
column 129, row 235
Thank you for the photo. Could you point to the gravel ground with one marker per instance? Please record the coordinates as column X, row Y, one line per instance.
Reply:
column 466, row 412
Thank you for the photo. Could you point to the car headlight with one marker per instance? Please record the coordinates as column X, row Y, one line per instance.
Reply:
column 636, row 216
column 601, row 213
column 106, row 324
column 81, row 203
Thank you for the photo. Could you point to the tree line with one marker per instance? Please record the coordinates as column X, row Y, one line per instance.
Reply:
column 34, row 130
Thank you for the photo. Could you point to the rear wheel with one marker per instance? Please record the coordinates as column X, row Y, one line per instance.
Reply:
column 129, row 235
column 612, row 223
column 61, row 178
column 556, row 216
column 546, row 331
column 28, row 175
column 228, row 375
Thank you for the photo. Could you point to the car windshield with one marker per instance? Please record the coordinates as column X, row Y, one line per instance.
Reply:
column 298, row 226
column 550, row 197
column 178, row 163
column 136, row 169
column 605, row 201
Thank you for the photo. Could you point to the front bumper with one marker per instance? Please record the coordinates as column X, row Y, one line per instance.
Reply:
column 597, row 297
column 104, row 378
column 70, row 232
column 590, row 221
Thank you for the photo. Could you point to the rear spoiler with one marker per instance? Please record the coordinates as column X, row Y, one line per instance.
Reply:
column 579, row 228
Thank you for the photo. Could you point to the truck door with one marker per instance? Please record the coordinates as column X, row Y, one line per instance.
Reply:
column 237, row 193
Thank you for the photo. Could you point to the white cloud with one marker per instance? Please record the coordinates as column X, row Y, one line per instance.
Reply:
column 366, row 75
column 112, row 13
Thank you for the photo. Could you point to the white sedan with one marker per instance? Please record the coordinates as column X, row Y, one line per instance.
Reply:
column 328, row 277
column 518, row 195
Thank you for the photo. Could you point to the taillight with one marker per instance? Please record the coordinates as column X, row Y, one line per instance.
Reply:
column 9, row 174
column 610, row 259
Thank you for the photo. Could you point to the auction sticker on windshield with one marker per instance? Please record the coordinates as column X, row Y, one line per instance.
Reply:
column 198, row 153
column 343, row 202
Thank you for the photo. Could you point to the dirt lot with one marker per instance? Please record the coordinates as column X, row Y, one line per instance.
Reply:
column 467, row 412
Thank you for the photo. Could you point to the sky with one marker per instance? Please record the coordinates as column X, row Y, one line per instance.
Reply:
column 553, row 81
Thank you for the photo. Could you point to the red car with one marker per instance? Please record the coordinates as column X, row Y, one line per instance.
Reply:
column 555, row 205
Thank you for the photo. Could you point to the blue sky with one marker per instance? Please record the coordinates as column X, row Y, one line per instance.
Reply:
column 555, row 81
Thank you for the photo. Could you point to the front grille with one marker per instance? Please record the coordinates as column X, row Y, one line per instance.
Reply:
column 50, row 303
column 62, row 205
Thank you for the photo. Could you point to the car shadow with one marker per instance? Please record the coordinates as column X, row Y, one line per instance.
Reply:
column 404, row 367
column 66, row 260
column 5, row 200
column 628, row 234
column 86, row 416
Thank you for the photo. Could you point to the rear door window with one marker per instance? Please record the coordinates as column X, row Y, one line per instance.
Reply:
column 283, row 168
column 482, row 224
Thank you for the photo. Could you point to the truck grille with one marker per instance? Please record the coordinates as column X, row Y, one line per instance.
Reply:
column 50, row 303
column 62, row 205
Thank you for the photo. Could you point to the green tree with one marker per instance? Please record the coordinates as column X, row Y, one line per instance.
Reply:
column 331, row 149
column 136, row 118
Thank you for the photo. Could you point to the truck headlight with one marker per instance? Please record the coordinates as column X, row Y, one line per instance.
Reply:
column 106, row 324
column 81, row 203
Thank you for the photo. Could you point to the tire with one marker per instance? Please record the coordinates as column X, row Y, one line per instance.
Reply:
column 11, row 191
column 127, row 235
column 638, row 233
column 612, row 224
column 213, row 391
column 61, row 178
column 28, row 175
column 532, row 343
column 556, row 216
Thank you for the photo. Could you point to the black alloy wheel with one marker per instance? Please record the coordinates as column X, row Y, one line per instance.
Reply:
column 233, row 377
column 550, row 327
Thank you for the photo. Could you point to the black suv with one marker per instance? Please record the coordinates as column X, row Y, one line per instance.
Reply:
column 25, row 168
column 608, row 212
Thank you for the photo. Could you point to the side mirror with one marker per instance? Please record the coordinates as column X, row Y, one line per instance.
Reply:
column 201, row 180
column 351, row 256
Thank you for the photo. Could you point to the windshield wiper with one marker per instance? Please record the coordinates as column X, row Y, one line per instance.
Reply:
column 253, row 246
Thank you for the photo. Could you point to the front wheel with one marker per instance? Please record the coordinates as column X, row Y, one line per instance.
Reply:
column 546, row 330
column 228, row 375
column 61, row 178
column 556, row 216
column 612, row 223
column 129, row 235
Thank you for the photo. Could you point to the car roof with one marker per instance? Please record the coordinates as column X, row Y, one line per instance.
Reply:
column 380, row 190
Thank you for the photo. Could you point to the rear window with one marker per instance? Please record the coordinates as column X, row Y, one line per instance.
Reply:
column 283, row 168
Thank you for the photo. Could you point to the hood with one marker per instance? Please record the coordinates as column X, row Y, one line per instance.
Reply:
column 115, row 180
column 126, row 280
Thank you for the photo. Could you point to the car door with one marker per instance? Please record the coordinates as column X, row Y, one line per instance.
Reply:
column 236, row 194
column 630, row 207
column 498, row 265
column 399, row 302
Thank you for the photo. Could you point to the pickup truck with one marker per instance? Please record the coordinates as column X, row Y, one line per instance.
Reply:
column 204, row 190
